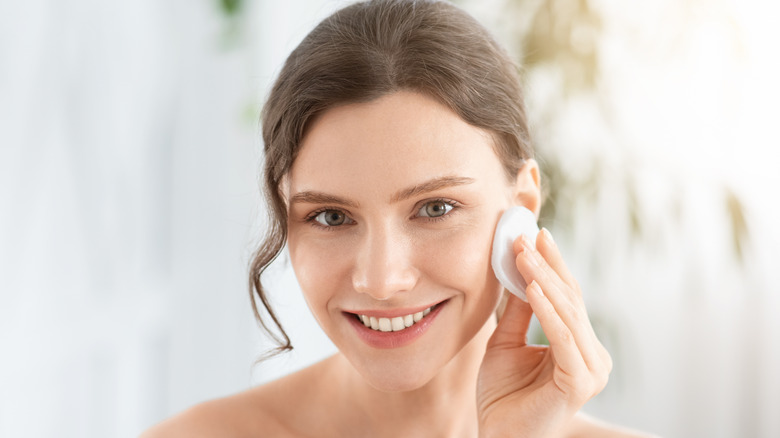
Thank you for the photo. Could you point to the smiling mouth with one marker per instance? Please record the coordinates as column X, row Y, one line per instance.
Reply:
column 395, row 324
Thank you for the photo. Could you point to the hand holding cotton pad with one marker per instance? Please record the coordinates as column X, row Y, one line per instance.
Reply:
column 515, row 221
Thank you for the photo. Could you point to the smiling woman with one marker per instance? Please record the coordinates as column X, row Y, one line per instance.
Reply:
column 395, row 137
column 389, row 258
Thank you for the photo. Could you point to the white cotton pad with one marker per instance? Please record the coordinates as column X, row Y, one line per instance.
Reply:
column 514, row 221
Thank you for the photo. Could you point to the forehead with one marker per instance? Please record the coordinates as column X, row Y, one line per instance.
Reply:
column 400, row 138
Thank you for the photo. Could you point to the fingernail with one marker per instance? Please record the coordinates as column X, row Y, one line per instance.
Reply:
column 548, row 236
column 528, row 251
column 534, row 286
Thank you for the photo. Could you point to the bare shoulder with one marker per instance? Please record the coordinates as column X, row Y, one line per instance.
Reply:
column 235, row 416
column 584, row 426
column 267, row 410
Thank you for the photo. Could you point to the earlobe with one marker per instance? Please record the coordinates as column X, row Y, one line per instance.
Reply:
column 527, row 190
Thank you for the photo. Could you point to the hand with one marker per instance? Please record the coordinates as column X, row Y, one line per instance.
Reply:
column 531, row 390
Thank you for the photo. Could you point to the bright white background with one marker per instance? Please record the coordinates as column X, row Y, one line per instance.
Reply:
column 129, row 206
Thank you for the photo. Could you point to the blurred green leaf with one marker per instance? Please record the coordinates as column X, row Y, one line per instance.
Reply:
column 565, row 33
column 739, row 229
column 634, row 212
column 231, row 8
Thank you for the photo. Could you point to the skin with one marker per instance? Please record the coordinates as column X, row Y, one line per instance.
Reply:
column 360, row 194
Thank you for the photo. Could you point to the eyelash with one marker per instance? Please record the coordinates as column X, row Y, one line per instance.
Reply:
column 311, row 218
column 454, row 204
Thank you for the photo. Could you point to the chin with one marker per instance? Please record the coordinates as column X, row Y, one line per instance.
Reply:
column 400, row 370
column 396, row 371
column 398, row 379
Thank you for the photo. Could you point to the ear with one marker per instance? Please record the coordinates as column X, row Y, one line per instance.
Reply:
column 527, row 190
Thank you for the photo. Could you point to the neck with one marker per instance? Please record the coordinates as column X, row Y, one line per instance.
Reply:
column 444, row 406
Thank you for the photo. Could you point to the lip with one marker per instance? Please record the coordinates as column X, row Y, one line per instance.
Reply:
column 386, row 340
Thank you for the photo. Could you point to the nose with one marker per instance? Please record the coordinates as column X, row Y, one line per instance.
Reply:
column 384, row 263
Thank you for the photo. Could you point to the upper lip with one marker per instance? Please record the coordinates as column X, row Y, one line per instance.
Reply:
column 392, row 313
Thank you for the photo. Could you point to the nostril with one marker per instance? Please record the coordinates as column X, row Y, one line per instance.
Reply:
column 383, row 265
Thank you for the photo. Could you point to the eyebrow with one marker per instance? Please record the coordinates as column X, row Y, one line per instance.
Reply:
column 313, row 197
column 310, row 197
column 430, row 186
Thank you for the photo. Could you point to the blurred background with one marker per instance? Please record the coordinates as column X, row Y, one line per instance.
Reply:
column 130, row 204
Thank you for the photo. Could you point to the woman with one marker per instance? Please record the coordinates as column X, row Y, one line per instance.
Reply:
column 395, row 137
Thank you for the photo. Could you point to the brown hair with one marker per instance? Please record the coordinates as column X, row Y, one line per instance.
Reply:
column 371, row 49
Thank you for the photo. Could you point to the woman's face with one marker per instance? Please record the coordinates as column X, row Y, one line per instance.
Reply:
column 392, row 208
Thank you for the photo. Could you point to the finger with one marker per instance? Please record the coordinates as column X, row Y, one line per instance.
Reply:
column 533, row 266
column 565, row 350
column 567, row 304
column 549, row 250
column 513, row 326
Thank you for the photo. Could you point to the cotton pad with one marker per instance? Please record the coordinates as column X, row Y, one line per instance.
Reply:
column 515, row 221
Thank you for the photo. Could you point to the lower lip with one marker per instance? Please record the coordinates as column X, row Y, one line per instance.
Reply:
column 378, row 339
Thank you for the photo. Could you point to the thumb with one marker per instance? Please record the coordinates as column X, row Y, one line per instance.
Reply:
column 513, row 325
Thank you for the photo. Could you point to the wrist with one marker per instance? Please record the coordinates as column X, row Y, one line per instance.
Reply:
column 549, row 425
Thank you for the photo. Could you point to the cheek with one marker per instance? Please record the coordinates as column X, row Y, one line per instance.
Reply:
column 318, row 269
column 461, row 260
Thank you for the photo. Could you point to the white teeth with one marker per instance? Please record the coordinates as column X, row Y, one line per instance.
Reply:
column 395, row 324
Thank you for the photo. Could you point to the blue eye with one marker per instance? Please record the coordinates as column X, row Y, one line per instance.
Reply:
column 435, row 209
column 332, row 218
